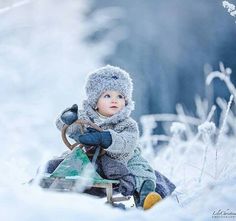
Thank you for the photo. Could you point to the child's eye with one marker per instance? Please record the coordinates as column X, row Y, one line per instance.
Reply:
column 107, row 96
column 120, row 96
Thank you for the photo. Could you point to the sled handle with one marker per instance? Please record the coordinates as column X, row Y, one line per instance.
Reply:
column 81, row 123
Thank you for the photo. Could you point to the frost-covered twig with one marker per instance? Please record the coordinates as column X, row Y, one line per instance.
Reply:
column 221, row 132
column 222, row 103
column 177, row 128
column 224, row 75
column 212, row 111
column 231, row 119
column 225, row 118
column 206, row 130
column 209, row 116
column 197, row 136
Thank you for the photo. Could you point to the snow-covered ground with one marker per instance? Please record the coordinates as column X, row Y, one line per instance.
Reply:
column 39, row 64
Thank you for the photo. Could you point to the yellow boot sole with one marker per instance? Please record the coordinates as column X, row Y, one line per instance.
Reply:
column 151, row 199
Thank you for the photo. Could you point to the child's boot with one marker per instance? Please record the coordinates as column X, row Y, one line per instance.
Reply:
column 147, row 196
column 151, row 199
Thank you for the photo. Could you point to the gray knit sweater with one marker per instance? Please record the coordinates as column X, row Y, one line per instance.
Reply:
column 125, row 146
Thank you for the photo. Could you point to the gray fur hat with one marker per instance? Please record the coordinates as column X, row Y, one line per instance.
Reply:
column 108, row 78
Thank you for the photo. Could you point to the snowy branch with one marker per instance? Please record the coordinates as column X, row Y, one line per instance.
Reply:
column 230, row 7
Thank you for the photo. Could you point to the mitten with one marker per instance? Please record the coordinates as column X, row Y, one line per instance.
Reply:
column 70, row 115
column 94, row 137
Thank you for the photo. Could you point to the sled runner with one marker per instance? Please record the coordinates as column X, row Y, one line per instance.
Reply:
column 76, row 172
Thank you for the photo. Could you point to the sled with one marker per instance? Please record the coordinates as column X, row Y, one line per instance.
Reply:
column 77, row 173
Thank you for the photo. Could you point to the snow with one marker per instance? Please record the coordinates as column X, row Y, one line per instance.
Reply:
column 34, row 90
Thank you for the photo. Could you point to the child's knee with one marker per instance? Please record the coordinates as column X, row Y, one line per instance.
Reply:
column 112, row 168
column 127, row 185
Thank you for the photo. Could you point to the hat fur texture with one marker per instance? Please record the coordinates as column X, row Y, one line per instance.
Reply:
column 105, row 79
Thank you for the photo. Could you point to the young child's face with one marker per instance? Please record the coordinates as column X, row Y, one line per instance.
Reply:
column 110, row 102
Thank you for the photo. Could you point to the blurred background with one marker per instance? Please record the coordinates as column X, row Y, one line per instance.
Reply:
column 47, row 48
column 167, row 46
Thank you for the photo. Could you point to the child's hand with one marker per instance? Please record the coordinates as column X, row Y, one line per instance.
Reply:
column 70, row 115
column 94, row 137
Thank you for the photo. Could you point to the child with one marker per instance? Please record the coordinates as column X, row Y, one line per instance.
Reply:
column 109, row 105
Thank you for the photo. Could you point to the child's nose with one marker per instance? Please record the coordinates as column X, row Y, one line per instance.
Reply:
column 114, row 100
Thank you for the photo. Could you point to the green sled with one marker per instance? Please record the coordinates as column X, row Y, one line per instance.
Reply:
column 75, row 170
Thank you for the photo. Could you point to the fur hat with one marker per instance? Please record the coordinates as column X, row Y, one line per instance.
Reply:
column 108, row 78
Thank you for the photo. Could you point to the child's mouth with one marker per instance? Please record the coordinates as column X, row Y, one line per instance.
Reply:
column 114, row 107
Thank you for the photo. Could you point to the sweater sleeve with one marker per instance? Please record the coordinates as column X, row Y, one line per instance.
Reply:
column 124, row 142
